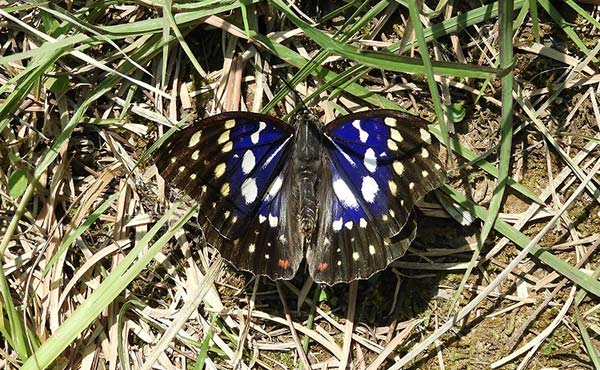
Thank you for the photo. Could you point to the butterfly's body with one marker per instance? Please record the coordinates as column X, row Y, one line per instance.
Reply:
column 273, row 194
column 307, row 164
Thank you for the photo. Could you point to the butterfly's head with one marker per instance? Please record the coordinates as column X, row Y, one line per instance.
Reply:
column 305, row 115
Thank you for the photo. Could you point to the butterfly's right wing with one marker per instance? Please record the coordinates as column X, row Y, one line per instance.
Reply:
column 234, row 165
column 378, row 164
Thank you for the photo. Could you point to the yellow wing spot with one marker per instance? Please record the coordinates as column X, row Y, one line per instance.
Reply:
column 251, row 248
column 203, row 188
column 220, row 170
column 396, row 135
column 398, row 167
column 384, row 218
column 234, row 219
column 387, row 241
column 355, row 256
column 392, row 213
column 437, row 166
column 193, row 176
column 226, row 214
column 223, row 138
column 392, row 145
column 371, row 249
column 227, row 147
column 390, row 121
column 182, row 168
column 393, row 187
column 425, row 135
column 424, row 173
column 196, row 155
column 236, row 242
column 195, row 139
column 424, row 153
column 362, row 223
column 411, row 185
column 229, row 124
column 173, row 159
column 225, row 189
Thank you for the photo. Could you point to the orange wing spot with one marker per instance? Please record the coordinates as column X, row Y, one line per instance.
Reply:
column 322, row 266
column 284, row 264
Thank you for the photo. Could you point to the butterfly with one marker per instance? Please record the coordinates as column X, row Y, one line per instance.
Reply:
column 272, row 194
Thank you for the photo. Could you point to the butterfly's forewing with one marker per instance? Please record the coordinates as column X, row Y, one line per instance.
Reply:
column 380, row 164
column 233, row 165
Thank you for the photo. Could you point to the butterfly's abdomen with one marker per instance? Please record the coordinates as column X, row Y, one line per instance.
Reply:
column 307, row 164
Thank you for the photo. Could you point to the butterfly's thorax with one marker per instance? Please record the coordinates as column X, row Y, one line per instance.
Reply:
column 306, row 166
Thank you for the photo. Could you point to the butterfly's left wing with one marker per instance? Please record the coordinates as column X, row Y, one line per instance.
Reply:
column 379, row 164
column 234, row 165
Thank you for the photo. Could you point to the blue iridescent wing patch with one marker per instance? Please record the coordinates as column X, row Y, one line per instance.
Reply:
column 233, row 165
column 380, row 164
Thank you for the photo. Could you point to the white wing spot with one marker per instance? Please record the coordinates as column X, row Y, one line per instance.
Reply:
column 182, row 168
column 226, row 214
column 173, row 159
column 256, row 136
column 384, row 218
column 225, row 189
column 392, row 213
column 393, row 187
column 424, row 173
column 369, row 189
column 193, row 176
column 362, row 134
column 355, row 256
column 398, row 167
column 411, row 185
column 261, row 219
column 396, row 135
column 273, row 220
column 229, row 124
column 392, row 145
column 371, row 249
column 425, row 135
column 234, row 219
column 370, row 160
column 195, row 139
column 249, row 190
column 248, row 162
column 437, row 166
column 220, row 170
column 362, row 222
column 349, row 225
column 224, row 137
column 275, row 186
column 337, row 224
column 344, row 194
column 196, row 155
column 267, row 256
column 251, row 248
column 326, row 241
column 424, row 153
column 339, row 263
column 390, row 121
